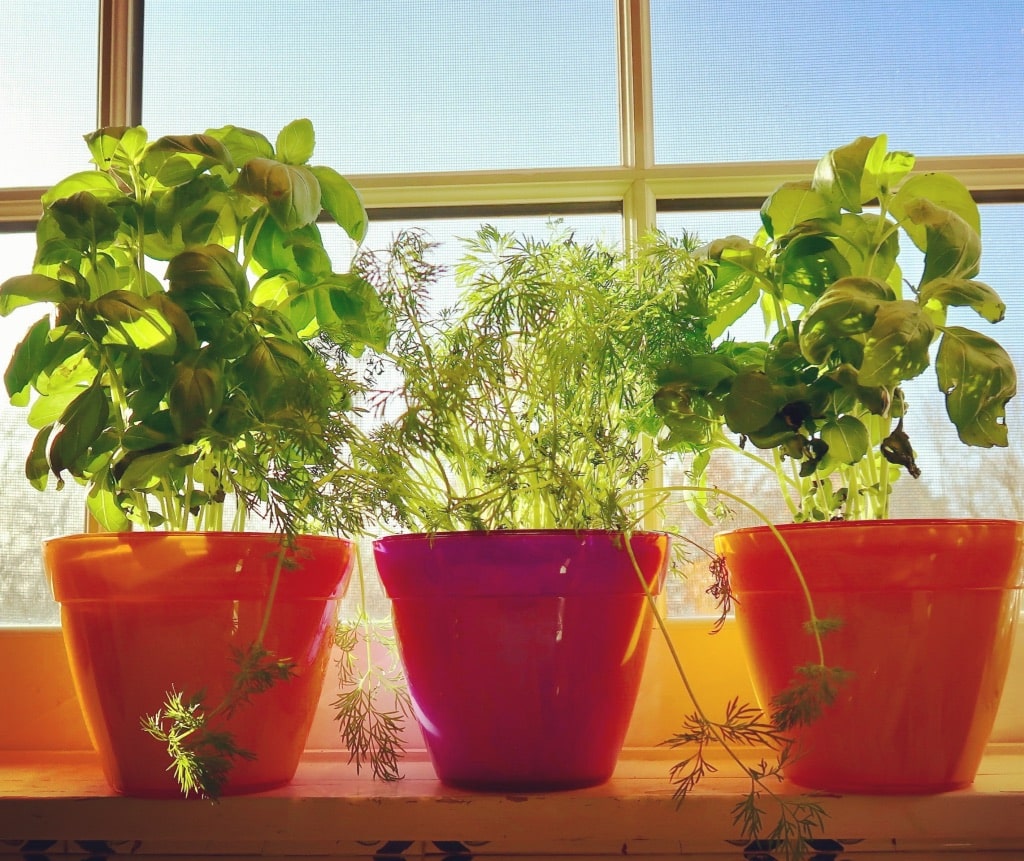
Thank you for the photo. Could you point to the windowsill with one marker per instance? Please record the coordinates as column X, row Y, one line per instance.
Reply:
column 329, row 809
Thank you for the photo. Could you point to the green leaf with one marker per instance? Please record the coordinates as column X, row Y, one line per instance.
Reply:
column 145, row 470
column 177, row 159
column 294, row 252
column 243, row 144
column 154, row 431
column 269, row 368
column 196, row 393
column 807, row 265
column 793, row 203
column 869, row 243
column 83, row 216
column 940, row 189
column 952, row 247
column 840, row 176
column 207, row 278
column 29, row 289
column 83, row 421
column 847, row 308
column 48, row 408
column 700, row 373
column 893, row 167
column 102, row 505
column 183, row 330
column 978, row 379
column 291, row 192
column 736, row 286
column 896, row 348
column 752, row 403
column 943, row 292
column 199, row 212
column 847, row 439
column 358, row 311
column 138, row 321
column 37, row 465
column 295, row 142
column 100, row 185
column 114, row 145
column 342, row 202
column 27, row 362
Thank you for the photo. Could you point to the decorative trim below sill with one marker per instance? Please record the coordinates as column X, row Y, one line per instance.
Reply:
column 58, row 804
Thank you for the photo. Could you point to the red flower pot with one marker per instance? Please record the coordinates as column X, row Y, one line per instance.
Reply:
column 149, row 612
column 928, row 610
column 523, row 650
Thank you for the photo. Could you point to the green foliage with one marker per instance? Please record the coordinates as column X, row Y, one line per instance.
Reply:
column 373, row 703
column 813, row 689
column 187, row 277
column 201, row 754
column 526, row 406
column 824, row 389
column 747, row 726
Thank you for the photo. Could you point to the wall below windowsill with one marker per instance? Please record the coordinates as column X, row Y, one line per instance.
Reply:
column 58, row 803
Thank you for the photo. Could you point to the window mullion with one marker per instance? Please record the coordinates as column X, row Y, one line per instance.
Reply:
column 119, row 92
column 636, row 120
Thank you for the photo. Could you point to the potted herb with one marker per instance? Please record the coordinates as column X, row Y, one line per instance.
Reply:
column 506, row 449
column 880, row 645
column 173, row 376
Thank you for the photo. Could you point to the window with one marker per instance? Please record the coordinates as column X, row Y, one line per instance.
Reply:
column 617, row 114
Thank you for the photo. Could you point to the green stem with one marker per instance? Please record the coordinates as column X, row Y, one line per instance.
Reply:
column 814, row 623
column 677, row 662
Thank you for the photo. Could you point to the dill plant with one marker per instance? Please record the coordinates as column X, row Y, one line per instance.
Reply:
column 532, row 403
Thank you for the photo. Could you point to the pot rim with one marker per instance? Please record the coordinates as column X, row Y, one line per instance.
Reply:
column 456, row 534
column 185, row 534
column 886, row 523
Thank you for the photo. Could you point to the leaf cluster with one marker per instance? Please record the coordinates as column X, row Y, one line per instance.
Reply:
column 823, row 390
column 202, row 755
column 374, row 702
column 745, row 725
column 527, row 403
column 185, row 278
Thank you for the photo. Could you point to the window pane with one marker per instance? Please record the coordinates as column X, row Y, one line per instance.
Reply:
column 27, row 516
column 47, row 88
column 394, row 87
column 736, row 82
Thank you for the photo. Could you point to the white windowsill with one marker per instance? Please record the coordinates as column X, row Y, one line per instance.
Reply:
column 329, row 810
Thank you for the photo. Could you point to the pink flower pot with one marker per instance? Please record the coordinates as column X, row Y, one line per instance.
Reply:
column 523, row 650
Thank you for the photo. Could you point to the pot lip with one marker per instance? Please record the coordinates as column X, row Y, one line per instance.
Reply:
column 892, row 523
column 493, row 534
column 223, row 536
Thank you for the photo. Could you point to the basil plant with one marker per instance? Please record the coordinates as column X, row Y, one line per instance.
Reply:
column 822, row 394
column 196, row 341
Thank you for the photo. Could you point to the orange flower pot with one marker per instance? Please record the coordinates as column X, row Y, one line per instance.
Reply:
column 928, row 611
column 523, row 649
column 147, row 613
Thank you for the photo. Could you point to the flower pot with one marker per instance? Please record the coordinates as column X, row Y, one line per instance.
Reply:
column 147, row 613
column 523, row 650
column 928, row 610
